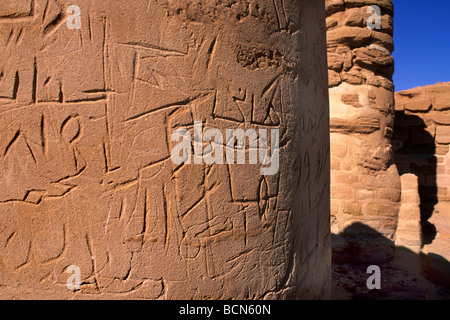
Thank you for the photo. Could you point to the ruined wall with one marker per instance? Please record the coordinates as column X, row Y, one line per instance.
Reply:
column 86, row 173
column 365, row 185
column 421, row 143
column 422, row 138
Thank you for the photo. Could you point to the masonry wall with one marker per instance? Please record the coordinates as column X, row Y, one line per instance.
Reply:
column 421, row 144
column 422, row 138
column 365, row 184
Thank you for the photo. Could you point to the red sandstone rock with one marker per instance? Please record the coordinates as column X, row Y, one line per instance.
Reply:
column 361, row 107
column 86, row 116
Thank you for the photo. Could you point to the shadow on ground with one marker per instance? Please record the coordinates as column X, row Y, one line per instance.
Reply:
column 405, row 275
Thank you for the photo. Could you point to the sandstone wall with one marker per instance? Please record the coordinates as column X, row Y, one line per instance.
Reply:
column 421, row 144
column 365, row 185
column 86, row 176
column 422, row 138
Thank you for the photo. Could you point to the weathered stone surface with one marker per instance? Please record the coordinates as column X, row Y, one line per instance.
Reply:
column 333, row 78
column 376, row 59
column 370, row 207
column 362, row 125
column 85, row 151
column 361, row 108
column 409, row 232
column 438, row 94
column 423, row 156
column 16, row 9
column 442, row 118
column 335, row 61
column 443, row 135
column 352, row 36
column 387, row 5
column 418, row 105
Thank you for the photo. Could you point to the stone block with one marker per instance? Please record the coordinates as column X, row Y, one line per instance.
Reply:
column 334, row 78
column 345, row 178
column 381, row 209
column 443, row 135
column 441, row 102
column 335, row 61
column 352, row 209
column 341, row 192
column 418, row 105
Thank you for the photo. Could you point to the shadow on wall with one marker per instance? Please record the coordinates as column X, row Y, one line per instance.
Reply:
column 415, row 152
column 404, row 274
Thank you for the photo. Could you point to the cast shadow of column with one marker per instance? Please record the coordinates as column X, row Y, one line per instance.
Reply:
column 405, row 275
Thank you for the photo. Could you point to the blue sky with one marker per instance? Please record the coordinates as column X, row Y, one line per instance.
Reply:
column 422, row 42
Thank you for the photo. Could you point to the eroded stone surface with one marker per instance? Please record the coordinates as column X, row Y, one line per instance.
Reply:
column 365, row 185
column 421, row 142
column 86, row 175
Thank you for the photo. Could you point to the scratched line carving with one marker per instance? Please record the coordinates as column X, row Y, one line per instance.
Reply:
column 86, row 176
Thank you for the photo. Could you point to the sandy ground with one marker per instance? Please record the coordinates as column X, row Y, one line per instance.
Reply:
column 405, row 274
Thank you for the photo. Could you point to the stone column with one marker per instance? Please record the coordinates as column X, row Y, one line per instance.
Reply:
column 92, row 93
column 409, row 233
column 365, row 185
